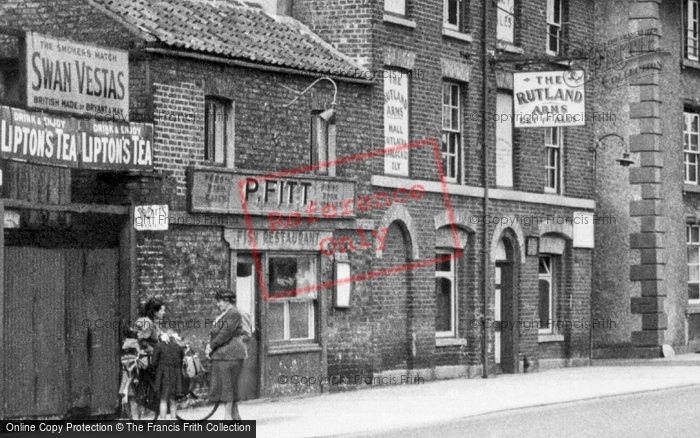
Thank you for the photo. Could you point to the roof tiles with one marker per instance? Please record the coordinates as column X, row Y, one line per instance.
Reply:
column 234, row 29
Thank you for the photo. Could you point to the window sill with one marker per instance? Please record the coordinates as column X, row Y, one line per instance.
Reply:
column 691, row 188
column 448, row 342
column 451, row 33
column 689, row 63
column 292, row 347
column 693, row 307
column 542, row 338
column 510, row 48
column 400, row 21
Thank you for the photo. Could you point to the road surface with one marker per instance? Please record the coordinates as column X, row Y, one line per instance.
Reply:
column 667, row 413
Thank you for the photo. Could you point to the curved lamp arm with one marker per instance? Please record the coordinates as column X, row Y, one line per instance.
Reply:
column 625, row 161
column 325, row 78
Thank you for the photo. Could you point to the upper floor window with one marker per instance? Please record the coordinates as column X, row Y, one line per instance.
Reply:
column 454, row 15
column 451, row 130
column 445, row 295
column 218, row 131
column 691, row 132
column 552, row 165
column 323, row 140
column 693, row 241
column 691, row 30
column 505, row 30
column 397, row 7
column 554, row 33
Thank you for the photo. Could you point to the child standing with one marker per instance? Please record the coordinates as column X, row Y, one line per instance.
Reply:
column 167, row 360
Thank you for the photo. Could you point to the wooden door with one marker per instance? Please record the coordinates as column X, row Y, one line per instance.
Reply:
column 245, row 278
column 93, row 330
column 35, row 362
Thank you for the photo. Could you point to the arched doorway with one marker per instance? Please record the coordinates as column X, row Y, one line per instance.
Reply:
column 393, row 310
column 505, row 306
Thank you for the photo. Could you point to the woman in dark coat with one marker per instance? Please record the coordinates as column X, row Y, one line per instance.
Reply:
column 227, row 351
column 167, row 360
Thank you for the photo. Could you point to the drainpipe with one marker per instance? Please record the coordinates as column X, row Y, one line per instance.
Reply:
column 484, row 125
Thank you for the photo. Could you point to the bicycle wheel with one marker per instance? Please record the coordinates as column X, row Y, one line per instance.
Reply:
column 144, row 404
column 196, row 414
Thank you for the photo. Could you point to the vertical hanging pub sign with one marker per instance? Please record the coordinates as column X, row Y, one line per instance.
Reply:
column 395, row 122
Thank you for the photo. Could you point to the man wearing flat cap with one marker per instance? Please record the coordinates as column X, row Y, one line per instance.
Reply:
column 227, row 351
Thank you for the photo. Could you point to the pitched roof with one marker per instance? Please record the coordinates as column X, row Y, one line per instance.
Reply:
column 233, row 29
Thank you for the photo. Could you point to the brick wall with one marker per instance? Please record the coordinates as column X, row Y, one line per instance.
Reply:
column 430, row 47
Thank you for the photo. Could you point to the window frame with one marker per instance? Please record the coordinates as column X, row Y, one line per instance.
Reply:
column 692, row 21
column 694, row 244
column 555, row 148
column 325, row 154
column 226, row 106
column 310, row 298
column 688, row 117
column 554, row 23
column 451, row 275
column 459, row 26
column 450, row 132
column 551, row 278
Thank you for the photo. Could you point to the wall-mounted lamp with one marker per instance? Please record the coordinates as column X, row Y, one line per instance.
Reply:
column 625, row 161
column 329, row 114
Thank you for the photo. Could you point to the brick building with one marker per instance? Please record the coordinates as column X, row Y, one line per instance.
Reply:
column 218, row 104
column 428, row 320
column 217, row 81
column 646, row 268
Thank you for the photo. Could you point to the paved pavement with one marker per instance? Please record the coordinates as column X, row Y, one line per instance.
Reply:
column 399, row 406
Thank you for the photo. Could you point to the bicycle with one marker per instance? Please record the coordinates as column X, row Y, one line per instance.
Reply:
column 142, row 394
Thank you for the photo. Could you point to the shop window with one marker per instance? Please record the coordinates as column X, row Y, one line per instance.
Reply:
column 505, row 30
column 552, row 166
column 546, row 295
column 691, row 30
column 451, row 130
column 693, row 243
column 218, row 135
column 397, row 7
column 504, row 140
column 691, row 133
column 454, row 15
column 292, row 305
column 554, row 27
column 445, row 295
column 322, row 140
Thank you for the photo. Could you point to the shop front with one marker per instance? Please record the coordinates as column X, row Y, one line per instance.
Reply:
column 280, row 269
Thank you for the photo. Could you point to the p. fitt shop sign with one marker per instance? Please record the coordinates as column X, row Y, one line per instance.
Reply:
column 76, row 78
column 549, row 99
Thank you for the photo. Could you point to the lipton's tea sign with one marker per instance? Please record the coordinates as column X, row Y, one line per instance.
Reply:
column 70, row 142
column 66, row 76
